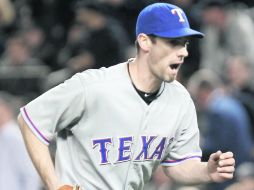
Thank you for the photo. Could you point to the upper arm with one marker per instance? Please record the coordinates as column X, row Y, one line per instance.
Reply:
column 26, row 132
column 22, row 124
column 39, row 154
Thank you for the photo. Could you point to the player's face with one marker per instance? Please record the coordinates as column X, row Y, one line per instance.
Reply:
column 166, row 57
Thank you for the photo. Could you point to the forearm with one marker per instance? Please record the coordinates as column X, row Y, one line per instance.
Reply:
column 189, row 172
column 40, row 156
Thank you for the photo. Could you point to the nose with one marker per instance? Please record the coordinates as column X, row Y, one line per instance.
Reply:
column 182, row 53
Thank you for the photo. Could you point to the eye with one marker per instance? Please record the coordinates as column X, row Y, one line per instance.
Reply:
column 179, row 42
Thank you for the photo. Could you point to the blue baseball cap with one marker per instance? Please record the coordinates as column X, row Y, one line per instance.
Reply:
column 164, row 20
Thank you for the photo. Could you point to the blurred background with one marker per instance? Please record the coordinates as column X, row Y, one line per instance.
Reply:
column 44, row 42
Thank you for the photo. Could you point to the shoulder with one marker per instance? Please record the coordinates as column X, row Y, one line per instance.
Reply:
column 104, row 75
column 178, row 97
column 178, row 90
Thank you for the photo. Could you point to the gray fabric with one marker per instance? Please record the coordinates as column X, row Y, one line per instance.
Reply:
column 100, row 109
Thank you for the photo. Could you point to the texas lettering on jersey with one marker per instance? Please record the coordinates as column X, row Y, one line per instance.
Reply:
column 150, row 148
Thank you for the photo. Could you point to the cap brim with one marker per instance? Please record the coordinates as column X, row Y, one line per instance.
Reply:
column 178, row 33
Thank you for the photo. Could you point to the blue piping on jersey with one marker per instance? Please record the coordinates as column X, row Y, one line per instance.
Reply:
column 33, row 125
column 180, row 160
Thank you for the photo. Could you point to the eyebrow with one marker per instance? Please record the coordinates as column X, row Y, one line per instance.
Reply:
column 177, row 41
column 182, row 41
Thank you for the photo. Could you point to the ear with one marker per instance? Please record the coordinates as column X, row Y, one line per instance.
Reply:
column 144, row 42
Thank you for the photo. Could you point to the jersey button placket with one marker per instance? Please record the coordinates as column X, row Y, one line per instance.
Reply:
column 145, row 122
column 141, row 131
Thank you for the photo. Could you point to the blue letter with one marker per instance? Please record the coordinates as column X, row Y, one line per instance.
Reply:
column 124, row 148
column 103, row 150
column 159, row 149
column 146, row 145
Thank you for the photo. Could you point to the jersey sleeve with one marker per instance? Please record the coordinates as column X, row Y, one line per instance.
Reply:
column 56, row 109
column 185, row 146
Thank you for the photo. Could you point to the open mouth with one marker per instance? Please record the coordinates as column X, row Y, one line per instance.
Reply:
column 174, row 66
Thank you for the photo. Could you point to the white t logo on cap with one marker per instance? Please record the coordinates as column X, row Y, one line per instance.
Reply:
column 179, row 12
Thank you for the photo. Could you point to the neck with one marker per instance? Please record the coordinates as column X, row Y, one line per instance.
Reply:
column 142, row 77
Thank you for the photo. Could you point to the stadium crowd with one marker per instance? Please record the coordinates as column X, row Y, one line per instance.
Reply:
column 44, row 42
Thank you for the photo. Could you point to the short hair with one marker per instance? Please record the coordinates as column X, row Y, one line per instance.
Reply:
column 152, row 38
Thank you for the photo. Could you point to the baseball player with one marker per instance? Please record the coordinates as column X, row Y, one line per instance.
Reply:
column 115, row 125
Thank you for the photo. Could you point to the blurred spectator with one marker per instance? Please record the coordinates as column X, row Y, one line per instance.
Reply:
column 239, row 76
column 16, row 169
column 228, row 31
column 106, row 39
column 73, row 57
column 39, row 46
column 78, row 63
column 249, row 3
column 75, row 44
column 126, row 12
column 54, row 16
column 244, row 176
column 239, row 73
column 7, row 13
column 20, row 73
column 18, row 53
column 228, row 127
column 7, row 17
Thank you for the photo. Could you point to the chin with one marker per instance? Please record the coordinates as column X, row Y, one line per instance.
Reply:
column 169, row 80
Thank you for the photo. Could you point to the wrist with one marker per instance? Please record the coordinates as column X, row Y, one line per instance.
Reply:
column 51, row 186
column 69, row 187
column 207, row 173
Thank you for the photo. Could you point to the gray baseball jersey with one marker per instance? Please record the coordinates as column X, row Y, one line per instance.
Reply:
column 107, row 136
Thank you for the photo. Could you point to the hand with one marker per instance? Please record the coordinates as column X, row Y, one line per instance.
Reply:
column 221, row 166
column 68, row 187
